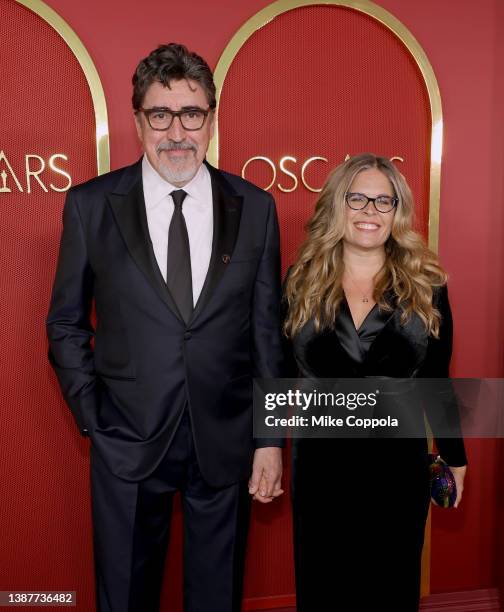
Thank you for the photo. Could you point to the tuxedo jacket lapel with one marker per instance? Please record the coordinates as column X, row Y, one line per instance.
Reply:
column 128, row 205
column 227, row 209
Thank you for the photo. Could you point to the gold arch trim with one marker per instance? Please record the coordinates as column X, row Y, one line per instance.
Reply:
column 275, row 9
column 86, row 63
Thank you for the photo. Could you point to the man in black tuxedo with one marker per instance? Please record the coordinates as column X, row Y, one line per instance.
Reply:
column 182, row 262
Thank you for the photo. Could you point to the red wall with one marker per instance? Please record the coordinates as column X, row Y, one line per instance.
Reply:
column 463, row 42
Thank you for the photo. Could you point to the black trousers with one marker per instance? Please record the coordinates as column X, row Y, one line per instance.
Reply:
column 131, row 523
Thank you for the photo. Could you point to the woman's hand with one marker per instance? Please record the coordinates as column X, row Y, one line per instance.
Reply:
column 459, row 475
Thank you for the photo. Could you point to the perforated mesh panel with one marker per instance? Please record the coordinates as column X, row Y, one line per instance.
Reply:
column 46, row 108
column 323, row 81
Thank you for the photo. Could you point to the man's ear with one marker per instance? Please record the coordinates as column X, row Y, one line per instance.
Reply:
column 212, row 123
column 138, row 124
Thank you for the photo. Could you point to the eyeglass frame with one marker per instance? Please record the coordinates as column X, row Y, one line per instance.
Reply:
column 164, row 109
column 395, row 201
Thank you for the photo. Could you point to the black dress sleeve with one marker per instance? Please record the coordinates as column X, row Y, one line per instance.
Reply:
column 441, row 404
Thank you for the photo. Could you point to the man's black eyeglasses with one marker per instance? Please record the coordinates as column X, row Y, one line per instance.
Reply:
column 161, row 119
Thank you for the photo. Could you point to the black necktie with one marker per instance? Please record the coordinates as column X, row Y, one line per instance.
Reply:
column 178, row 271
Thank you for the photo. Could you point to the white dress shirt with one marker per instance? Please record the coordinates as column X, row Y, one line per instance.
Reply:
column 198, row 214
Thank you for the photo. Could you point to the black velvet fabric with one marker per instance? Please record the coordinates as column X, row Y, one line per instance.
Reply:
column 360, row 505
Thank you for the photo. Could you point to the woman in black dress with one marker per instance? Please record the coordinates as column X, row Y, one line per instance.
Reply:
column 366, row 297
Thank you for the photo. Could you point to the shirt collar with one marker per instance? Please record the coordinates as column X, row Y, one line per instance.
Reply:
column 156, row 188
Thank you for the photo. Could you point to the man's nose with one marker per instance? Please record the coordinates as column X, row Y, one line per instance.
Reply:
column 176, row 131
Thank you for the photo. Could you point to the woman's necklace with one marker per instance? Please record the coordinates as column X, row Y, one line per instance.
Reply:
column 364, row 294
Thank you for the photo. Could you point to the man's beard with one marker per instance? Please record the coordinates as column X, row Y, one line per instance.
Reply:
column 172, row 173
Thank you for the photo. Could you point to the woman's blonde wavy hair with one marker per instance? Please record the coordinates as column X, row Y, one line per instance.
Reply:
column 314, row 285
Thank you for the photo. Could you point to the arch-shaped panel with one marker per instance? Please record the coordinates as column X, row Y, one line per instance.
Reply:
column 275, row 10
column 88, row 68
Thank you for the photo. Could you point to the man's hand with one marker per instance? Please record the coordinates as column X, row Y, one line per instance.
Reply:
column 266, row 478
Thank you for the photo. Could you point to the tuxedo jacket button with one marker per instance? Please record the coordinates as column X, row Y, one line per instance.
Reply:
column 187, row 336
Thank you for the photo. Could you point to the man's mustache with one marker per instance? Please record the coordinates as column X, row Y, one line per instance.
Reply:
column 171, row 145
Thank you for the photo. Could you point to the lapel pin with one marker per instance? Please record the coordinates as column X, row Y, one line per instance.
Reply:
column 226, row 258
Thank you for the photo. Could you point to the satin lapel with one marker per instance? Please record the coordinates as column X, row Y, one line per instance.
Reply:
column 355, row 341
column 348, row 337
column 374, row 324
column 128, row 205
column 403, row 344
column 394, row 349
column 227, row 208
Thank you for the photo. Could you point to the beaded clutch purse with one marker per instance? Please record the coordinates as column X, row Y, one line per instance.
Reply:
column 443, row 487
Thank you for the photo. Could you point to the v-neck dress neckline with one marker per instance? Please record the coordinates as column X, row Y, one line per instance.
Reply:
column 358, row 341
